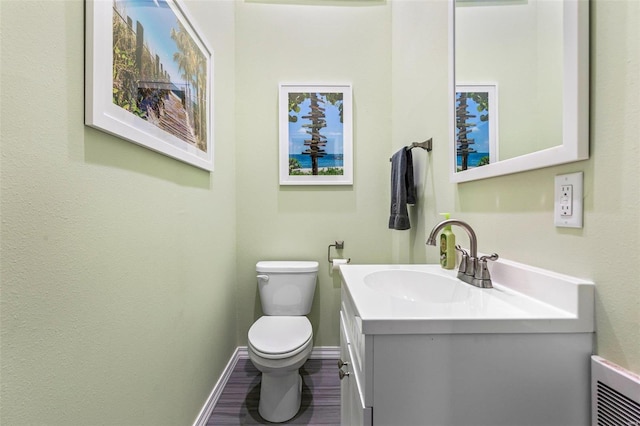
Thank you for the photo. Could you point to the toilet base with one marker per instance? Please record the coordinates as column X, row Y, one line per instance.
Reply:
column 280, row 396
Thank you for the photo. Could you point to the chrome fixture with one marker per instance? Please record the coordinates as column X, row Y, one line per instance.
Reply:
column 342, row 374
column 472, row 270
column 339, row 245
column 426, row 145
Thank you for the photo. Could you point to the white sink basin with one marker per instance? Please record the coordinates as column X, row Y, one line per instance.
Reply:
column 405, row 299
column 416, row 286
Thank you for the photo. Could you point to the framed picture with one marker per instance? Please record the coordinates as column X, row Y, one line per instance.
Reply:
column 316, row 146
column 476, row 125
column 148, row 77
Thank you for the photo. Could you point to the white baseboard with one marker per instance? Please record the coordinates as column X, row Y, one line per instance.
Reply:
column 241, row 352
column 325, row 352
column 214, row 396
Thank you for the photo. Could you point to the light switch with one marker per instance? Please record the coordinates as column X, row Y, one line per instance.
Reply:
column 568, row 200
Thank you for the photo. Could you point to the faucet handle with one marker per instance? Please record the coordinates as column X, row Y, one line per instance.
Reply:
column 493, row 257
column 482, row 277
column 482, row 271
column 461, row 250
column 464, row 260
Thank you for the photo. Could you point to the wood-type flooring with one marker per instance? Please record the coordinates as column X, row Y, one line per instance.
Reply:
column 238, row 404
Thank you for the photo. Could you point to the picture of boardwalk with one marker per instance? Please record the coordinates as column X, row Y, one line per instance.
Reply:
column 160, row 74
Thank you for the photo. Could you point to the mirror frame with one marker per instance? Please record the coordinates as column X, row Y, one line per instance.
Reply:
column 575, row 98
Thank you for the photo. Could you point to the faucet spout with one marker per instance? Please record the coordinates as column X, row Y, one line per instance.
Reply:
column 473, row 241
column 472, row 270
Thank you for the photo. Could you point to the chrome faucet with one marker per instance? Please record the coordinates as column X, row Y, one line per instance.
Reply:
column 472, row 270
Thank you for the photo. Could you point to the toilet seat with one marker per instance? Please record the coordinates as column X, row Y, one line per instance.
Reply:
column 277, row 337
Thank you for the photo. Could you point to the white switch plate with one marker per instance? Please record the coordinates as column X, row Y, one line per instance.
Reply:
column 568, row 200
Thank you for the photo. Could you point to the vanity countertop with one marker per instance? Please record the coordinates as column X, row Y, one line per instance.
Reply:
column 390, row 299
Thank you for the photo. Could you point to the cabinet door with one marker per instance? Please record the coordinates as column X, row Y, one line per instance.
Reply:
column 352, row 409
column 345, row 389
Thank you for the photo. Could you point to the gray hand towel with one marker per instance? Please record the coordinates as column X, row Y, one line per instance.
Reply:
column 403, row 190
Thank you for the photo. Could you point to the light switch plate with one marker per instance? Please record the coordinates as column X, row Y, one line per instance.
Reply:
column 568, row 200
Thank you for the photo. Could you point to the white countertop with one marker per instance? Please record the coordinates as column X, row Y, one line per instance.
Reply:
column 524, row 300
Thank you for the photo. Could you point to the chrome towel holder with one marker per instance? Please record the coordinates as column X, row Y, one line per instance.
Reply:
column 426, row 145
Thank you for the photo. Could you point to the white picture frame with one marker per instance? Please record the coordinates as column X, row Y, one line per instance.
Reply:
column 148, row 78
column 316, row 134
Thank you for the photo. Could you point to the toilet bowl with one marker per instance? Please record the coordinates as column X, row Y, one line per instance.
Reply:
column 280, row 342
column 278, row 349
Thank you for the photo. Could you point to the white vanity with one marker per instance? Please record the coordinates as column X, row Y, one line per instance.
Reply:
column 422, row 348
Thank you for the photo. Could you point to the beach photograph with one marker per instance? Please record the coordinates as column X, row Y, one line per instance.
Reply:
column 475, row 127
column 316, row 139
column 160, row 73
column 316, row 144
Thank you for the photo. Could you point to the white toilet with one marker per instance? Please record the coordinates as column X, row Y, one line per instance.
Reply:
column 281, row 341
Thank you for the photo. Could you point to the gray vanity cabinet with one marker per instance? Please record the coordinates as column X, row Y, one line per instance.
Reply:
column 392, row 377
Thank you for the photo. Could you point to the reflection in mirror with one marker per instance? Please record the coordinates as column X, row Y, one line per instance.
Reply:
column 520, row 71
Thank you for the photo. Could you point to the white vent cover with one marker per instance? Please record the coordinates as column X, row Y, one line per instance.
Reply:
column 615, row 394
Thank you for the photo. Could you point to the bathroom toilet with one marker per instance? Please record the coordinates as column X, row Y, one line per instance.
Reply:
column 281, row 341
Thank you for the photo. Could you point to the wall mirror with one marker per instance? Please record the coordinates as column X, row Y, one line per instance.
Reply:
column 520, row 81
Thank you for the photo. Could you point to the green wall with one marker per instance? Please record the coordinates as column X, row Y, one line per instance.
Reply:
column 513, row 215
column 118, row 264
column 128, row 277
column 310, row 43
column 395, row 55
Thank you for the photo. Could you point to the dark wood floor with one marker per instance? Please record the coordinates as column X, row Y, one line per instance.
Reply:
column 238, row 404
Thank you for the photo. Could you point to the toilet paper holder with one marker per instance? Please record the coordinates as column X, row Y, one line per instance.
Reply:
column 339, row 245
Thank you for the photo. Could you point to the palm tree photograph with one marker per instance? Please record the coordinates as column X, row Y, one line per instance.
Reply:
column 476, row 126
column 315, row 134
column 160, row 73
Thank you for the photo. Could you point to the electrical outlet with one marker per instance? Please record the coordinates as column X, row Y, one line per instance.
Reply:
column 568, row 200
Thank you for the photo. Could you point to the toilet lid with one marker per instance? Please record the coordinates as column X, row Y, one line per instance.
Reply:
column 279, row 334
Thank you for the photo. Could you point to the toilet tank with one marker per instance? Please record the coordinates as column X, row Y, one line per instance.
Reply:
column 286, row 287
